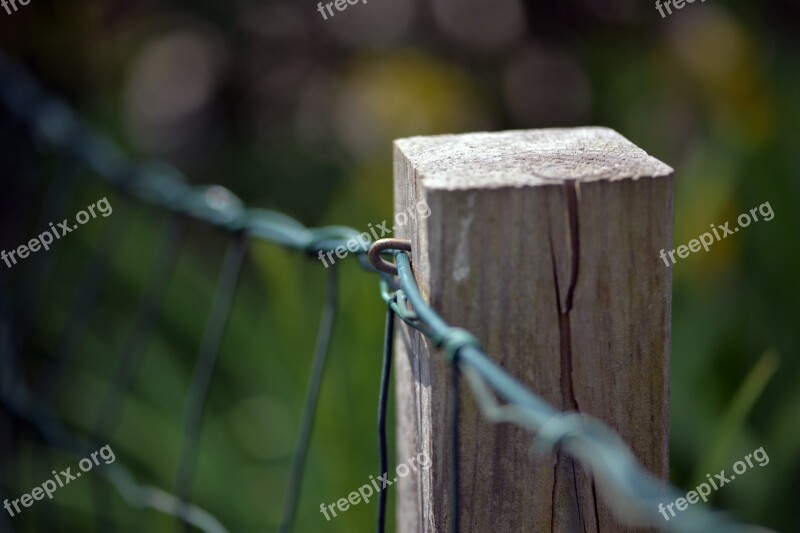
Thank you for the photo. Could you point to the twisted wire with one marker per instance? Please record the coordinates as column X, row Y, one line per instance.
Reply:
column 52, row 122
column 632, row 493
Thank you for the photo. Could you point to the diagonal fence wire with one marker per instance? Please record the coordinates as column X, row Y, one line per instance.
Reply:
column 133, row 350
column 55, row 125
column 206, row 360
column 632, row 493
column 28, row 407
column 327, row 323
column 143, row 328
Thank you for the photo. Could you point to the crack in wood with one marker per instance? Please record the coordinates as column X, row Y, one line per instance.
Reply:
column 569, row 400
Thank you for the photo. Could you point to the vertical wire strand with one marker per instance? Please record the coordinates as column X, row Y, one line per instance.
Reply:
column 454, row 445
column 144, row 327
column 82, row 306
column 18, row 329
column 84, row 302
column 133, row 352
column 16, row 398
column 205, row 362
column 307, row 424
column 383, row 401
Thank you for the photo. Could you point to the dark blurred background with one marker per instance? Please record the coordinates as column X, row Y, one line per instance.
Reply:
column 297, row 113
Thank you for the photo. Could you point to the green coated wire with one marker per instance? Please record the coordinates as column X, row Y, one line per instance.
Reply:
column 20, row 401
column 205, row 362
column 327, row 323
column 632, row 493
column 383, row 402
column 154, row 182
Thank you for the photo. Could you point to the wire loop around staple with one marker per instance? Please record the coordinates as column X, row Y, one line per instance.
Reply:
column 383, row 245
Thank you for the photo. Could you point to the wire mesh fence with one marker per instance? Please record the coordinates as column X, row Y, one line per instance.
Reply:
column 73, row 147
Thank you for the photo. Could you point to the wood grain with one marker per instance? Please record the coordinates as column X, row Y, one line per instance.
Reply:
column 544, row 244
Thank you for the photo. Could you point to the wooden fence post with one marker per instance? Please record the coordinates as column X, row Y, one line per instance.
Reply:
column 545, row 245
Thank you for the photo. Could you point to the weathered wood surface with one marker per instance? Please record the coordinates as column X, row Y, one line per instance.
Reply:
column 544, row 244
